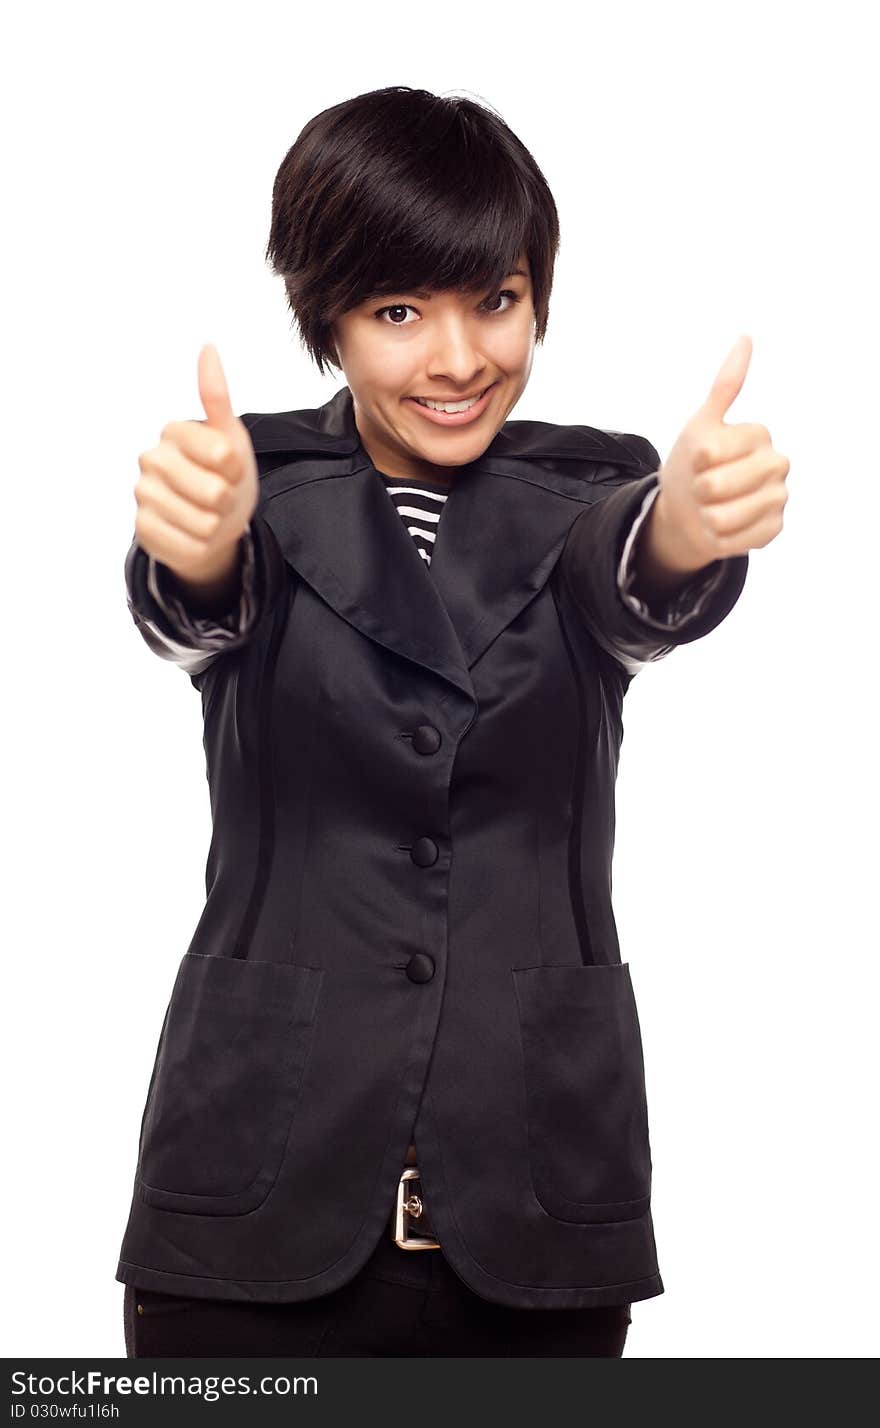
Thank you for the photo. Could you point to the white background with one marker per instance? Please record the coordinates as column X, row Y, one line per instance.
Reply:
column 715, row 172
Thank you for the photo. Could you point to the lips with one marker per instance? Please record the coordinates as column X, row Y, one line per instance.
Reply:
column 452, row 419
column 467, row 398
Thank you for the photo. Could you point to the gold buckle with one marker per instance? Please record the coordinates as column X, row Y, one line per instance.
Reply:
column 407, row 1212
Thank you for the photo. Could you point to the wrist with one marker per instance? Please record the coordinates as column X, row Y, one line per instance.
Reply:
column 215, row 590
column 661, row 562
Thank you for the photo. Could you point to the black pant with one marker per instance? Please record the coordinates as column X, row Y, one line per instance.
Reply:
column 402, row 1303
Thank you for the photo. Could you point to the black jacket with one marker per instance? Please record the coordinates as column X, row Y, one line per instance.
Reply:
column 408, row 930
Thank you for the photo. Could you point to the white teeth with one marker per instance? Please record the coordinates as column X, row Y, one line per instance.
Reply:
column 449, row 406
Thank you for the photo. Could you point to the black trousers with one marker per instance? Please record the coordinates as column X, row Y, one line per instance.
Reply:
column 402, row 1303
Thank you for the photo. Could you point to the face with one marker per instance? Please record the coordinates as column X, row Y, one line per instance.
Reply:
column 443, row 346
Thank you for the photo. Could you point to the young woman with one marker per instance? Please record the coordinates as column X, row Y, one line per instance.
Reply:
column 403, row 1023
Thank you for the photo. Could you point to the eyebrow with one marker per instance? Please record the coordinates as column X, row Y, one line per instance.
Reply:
column 426, row 296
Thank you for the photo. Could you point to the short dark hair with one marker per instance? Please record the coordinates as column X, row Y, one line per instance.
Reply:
column 398, row 190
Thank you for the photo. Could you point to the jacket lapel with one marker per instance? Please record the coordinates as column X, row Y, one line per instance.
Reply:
column 503, row 526
column 499, row 537
column 341, row 532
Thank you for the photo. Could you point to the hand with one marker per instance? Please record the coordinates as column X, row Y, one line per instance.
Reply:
column 199, row 487
column 722, row 487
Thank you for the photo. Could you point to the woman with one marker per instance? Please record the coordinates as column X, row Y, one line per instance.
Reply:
column 403, row 1022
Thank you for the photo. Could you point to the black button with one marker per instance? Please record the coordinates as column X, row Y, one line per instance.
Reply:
column 424, row 852
column 420, row 967
column 426, row 739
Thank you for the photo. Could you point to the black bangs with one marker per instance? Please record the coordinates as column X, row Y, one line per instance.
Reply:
column 403, row 191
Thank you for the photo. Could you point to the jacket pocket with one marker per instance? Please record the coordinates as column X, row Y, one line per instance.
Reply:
column 226, row 1083
column 148, row 1303
column 584, row 1073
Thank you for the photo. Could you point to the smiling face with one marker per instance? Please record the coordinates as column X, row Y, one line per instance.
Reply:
column 444, row 346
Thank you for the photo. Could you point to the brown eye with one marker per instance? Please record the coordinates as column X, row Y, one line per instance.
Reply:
column 395, row 307
column 507, row 292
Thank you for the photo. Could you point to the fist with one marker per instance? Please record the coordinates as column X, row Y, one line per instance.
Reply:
column 199, row 487
column 722, row 487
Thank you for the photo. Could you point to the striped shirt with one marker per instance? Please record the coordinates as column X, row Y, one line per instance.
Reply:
column 420, row 506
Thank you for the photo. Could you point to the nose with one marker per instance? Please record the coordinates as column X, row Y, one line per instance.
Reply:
column 454, row 358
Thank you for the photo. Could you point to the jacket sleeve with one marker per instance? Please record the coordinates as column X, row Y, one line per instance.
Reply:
column 597, row 569
column 193, row 641
column 687, row 602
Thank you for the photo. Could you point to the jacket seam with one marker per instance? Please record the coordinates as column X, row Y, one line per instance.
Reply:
column 575, row 882
column 266, row 843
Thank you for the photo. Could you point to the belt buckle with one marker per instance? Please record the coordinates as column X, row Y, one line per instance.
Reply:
column 407, row 1211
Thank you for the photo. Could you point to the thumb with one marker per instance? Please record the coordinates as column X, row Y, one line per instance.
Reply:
column 213, row 391
column 729, row 381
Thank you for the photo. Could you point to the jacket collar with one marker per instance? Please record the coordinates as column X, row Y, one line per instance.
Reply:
column 503, row 526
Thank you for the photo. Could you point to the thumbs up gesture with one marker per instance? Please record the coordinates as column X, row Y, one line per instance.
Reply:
column 199, row 488
column 722, row 487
